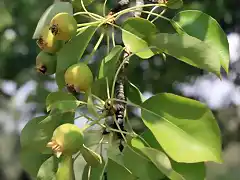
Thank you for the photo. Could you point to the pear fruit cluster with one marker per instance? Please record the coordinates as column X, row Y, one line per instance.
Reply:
column 61, row 29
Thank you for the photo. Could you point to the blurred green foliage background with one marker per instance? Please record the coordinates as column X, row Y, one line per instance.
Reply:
column 23, row 91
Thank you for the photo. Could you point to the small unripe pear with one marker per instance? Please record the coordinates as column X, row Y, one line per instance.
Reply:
column 46, row 63
column 63, row 26
column 78, row 77
column 67, row 139
column 47, row 42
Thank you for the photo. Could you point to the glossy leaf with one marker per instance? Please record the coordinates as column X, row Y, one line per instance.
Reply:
column 174, row 4
column 92, row 158
column 65, row 106
column 193, row 171
column 158, row 158
column 140, row 166
column 65, row 168
column 99, row 88
column 131, row 158
column 90, row 105
column 137, row 39
column 31, row 135
column 94, row 173
column 47, row 16
column 189, row 50
column 151, row 140
column 85, row 174
column 114, row 154
column 48, row 169
column 162, row 162
column 72, row 52
column 107, row 70
column 205, row 28
column 92, row 137
column 67, row 117
column 185, row 129
column 31, row 161
column 38, row 131
column 77, row 3
column 117, row 172
column 109, row 64
column 134, row 94
column 58, row 96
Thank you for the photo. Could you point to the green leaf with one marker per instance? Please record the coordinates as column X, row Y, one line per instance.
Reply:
column 158, row 158
column 48, row 169
column 90, row 105
column 162, row 162
column 95, row 173
column 185, row 129
column 38, row 131
column 56, row 97
column 109, row 64
column 107, row 70
column 65, row 168
column 92, row 158
column 193, row 171
column 114, row 154
column 77, row 3
column 85, row 174
column 140, row 166
column 57, row 7
column 99, row 88
column 31, row 161
column 66, row 106
column 205, row 28
column 92, row 137
column 174, row 4
column 189, row 50
column 67, row 117
column 117, row 172
column 134, row 94
column 32, row 135
column 151, row 140
column 136, row 39
column 72, row 52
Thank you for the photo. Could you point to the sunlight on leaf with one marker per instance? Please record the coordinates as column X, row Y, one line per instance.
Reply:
column 205, row 28
column 189, row 50
column 136, row 39
column 185, row 129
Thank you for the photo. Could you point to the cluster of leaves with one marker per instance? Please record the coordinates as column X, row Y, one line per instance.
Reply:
column 181, row 133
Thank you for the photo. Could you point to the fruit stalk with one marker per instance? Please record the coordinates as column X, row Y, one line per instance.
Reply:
column 65, row 168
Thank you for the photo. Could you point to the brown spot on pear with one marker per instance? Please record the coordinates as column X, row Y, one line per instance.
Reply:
column 78, row 77
column 46, row 63
column 63, row 26
column 47, row 42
